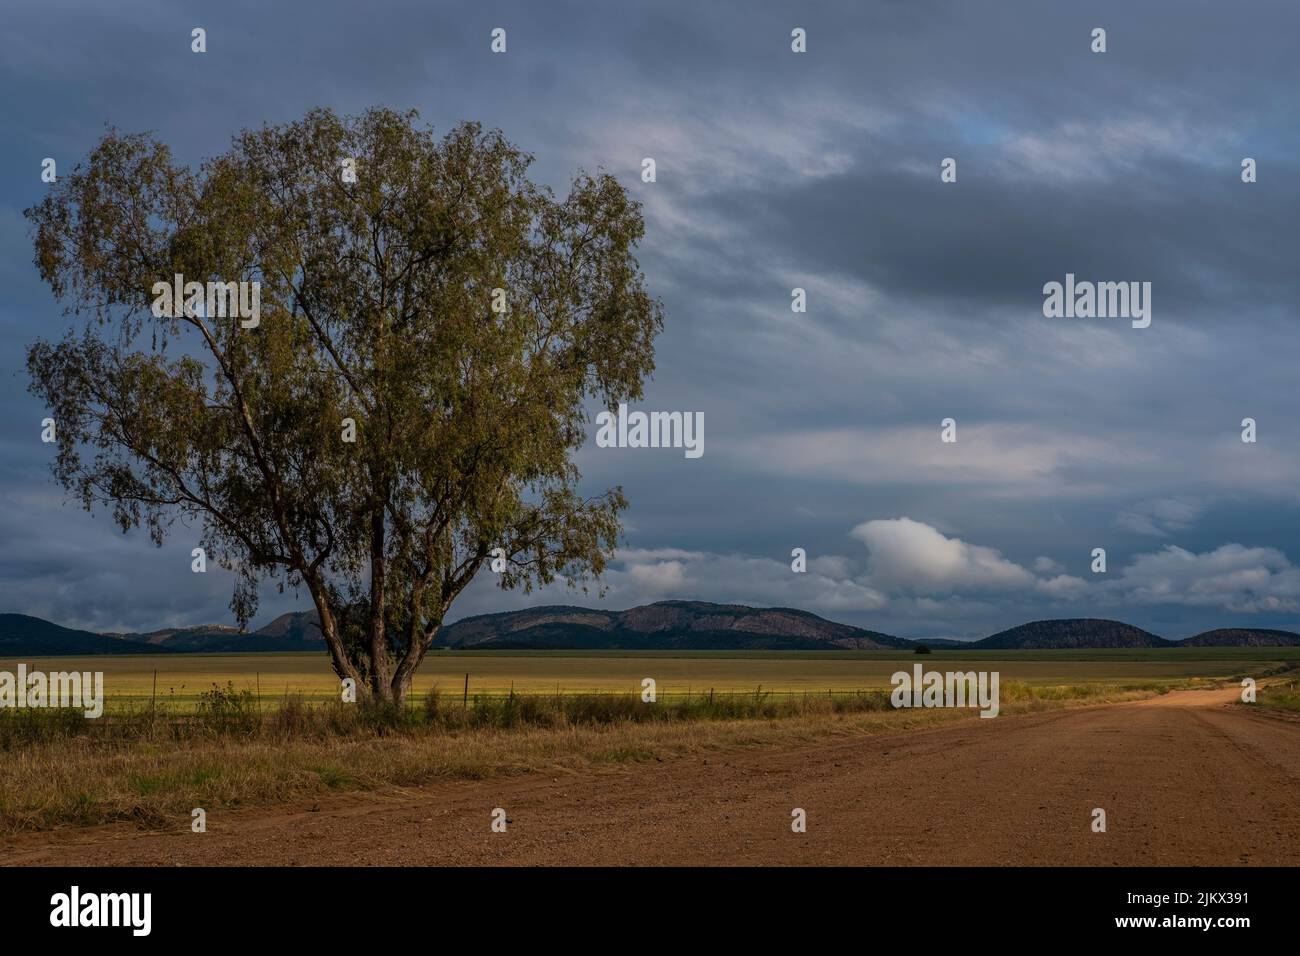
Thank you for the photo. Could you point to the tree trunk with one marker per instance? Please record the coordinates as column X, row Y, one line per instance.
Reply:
column 343, row 667
column 401, row 688
column 420, row 639
column 380, row 682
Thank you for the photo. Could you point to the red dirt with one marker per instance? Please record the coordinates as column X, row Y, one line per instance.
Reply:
column 1185, row 779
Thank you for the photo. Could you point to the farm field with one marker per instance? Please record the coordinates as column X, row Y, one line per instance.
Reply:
column 180, row 679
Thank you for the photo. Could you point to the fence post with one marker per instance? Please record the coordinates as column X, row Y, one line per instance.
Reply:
column 464, row 701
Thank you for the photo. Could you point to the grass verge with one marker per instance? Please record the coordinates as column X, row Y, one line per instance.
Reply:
column 1280, row 696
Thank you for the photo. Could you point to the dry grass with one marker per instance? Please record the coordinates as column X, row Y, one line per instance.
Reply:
column 1281, row 696
column 154, row 768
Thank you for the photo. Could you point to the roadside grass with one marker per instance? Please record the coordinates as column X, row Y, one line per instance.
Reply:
column 1280, row 692
column 153, row 766
column 1280, row 696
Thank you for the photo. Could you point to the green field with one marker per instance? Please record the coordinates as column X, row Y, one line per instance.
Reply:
column 180, row 678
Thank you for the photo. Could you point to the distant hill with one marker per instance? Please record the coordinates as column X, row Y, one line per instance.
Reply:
column 1243, row 637
column 295, row 626
column 295, row 631
column 24, row 636
column 665, row 625
column 1072, row 633
column 177, row 636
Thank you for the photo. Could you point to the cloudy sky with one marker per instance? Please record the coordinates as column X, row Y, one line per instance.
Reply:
column 820, row 170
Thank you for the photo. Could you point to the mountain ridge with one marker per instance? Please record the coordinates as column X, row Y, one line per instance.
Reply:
column 662, row 625
column 1243, row 637
column 669, row 625
column 22, row 635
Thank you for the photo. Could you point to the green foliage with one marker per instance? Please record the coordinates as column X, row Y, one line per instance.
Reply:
column 376, row 305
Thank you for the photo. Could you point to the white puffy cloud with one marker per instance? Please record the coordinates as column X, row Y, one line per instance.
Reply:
column 1233, row 577
column 1063, row 587
column 660, row 577
column 912, row 556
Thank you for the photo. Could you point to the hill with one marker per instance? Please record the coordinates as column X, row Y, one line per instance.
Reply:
column 1243, row 637
column 665, row 625
column 295, row 631
column 24, row 636
column 294, row 626
column 1072, row 633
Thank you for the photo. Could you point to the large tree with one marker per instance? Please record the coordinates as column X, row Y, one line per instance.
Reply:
column 461, row 316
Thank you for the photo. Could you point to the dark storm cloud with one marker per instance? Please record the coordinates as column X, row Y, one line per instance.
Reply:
column 818, row 171
column 999, row 238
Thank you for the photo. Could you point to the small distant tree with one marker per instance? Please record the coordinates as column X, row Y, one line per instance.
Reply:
column 458, row 314
column 922, row 649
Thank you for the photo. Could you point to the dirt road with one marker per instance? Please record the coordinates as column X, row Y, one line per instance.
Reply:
column 1184, row 779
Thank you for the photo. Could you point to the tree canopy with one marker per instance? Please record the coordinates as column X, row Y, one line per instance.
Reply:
column 432, row 327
